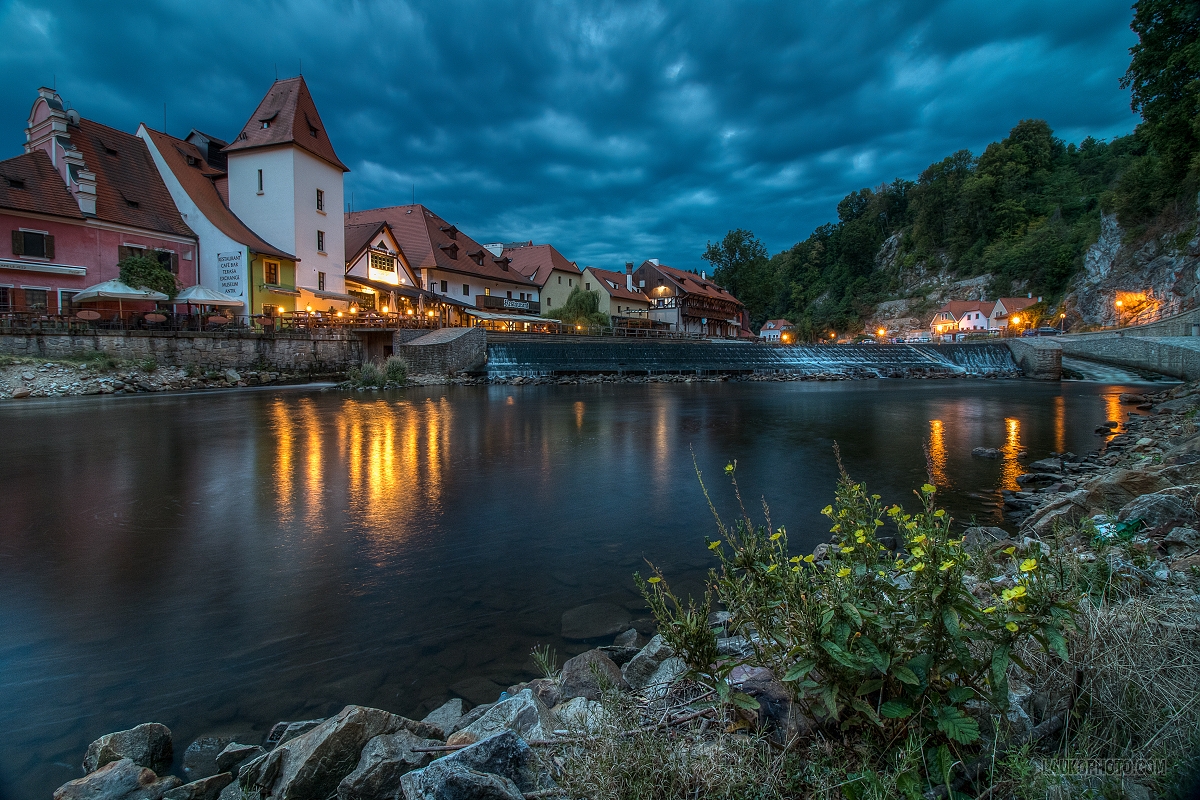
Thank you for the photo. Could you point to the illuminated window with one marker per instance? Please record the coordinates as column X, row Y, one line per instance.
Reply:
column 383, row 261
column 271, row 271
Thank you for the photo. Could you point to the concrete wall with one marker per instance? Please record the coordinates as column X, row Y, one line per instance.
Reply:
column 443, row 352
column 1038, row 358
column 1177, row 356
column 296, row 353
column 1178, row 325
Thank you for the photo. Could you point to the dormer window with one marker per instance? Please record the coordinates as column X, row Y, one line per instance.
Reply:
column 312, row 131
column 15, row 183
column 266, row 124
column 450, row 231
column 477, row 257
column 451, row 249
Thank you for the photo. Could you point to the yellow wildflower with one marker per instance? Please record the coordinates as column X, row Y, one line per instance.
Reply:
column 794, row 559
column 775, row 536
column 946, row 565
column 928, row 488
column 1012, row 626
column 827, row 510
column 939, row 513
column 917, row 567
column 990, row 610
column 1009, row 550
column 772, row 568
column 808, row 559
column 918, row 551
column 847, row 549
column 655, row 579
column 843, row 572
column 1029, row 565
column 714, row 545
column 919, row 539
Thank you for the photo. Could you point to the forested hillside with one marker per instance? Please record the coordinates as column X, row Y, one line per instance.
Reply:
column 1023, row 212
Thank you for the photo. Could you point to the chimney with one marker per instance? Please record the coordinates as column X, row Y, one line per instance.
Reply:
column 84, row 189
column 629, row 276
column 703, row 275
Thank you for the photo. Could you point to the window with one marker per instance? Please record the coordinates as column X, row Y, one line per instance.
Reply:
column 570, row 281
column 266, row 124
column 445, row 288
column 320, row 281
column 466, row 290
column 320, row 200
column 35, row 299
column 560, row 280
column 260, row 182
column 64, row 301
column 487, row 292
column 320, row 241
column 382, row 261
column 32, row 244
column 588, row 286
column 549, row 302
column 5, row 298
column 271, row 271
column 522, row 295
column 312, row 131
column 510, row 295
column 128, row 250
column 168, row 259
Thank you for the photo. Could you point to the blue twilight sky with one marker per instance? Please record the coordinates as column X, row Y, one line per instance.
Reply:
column 614, row 130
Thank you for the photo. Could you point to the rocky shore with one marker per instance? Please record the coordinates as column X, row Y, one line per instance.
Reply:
column 1141, row 489
column 31, row 379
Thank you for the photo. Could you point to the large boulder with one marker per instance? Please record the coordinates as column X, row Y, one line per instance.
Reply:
column 445, row 716
column 593, row 621
column 200, row 758
column 1181, row 541
column 384, row 760
column 117, row 780
column 1115, row 489
column 776, row 714
column 667, row 675
column 581, row 714
column 505, row 755
column 234, row 755
column 588, row 675
column 148, row 745
column 207, row 788
column 477, row 690
column 450, row 781
column 638, row 670
column 523, row 713
column 1161, row 510
column 312, row 765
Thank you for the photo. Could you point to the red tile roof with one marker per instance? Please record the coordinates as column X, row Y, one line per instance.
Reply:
column 129, row 190
column 291, row 117
column 429, row 242
column 615, row 285
column 1014, row 304
column 776, row 325
column 693, row 284
column 537, row 261
column 197, row 180
column 956, row 308
column 360, row 237
column 30, row 182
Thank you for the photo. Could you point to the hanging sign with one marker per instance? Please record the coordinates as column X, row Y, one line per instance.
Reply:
column 231, row 274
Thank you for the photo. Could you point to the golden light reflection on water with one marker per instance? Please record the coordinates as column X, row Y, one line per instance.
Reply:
column 579, row 414
column 1010, row 468
column 1060, row 424
column 314, row 484
column 1112, row 406
column 937, row 453
column 282, row 425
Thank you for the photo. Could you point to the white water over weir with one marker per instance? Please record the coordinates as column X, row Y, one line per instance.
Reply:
column 513, row 356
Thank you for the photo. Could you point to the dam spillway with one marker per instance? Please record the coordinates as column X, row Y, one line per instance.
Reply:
column 513, row 355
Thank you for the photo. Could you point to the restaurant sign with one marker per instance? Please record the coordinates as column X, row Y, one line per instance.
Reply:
column 507, row 304
column 231, row 273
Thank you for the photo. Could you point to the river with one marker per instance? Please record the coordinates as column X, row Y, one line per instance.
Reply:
column 217, row 562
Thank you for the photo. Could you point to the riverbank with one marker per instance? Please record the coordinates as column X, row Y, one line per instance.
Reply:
column 619, row 714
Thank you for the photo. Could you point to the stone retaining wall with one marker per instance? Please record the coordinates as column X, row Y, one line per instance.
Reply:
column 1039, row 358
column 1177, row 356
column 443, row 352
column 325, row 353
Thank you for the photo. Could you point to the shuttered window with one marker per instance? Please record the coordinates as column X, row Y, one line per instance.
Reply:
column 32, row 244
column 5, row 299
column 169, row 260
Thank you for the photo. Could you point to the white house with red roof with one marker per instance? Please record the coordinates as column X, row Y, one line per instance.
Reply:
column 552, row 272
column 618, row 296
column 285, row 183
column 772, row 330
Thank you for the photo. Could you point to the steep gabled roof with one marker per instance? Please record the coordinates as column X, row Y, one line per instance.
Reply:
column 614, row 284
column 776, row 325
column 195, row 175
column 429, row 242
column 956, row 308
column 691, row 283
column 287, row 115
column 129, row 190
column 537, row 261
column 1015, row 304
column 30, row 182
column 360, row 236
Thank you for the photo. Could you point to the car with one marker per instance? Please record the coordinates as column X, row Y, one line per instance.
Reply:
column 1048, row 331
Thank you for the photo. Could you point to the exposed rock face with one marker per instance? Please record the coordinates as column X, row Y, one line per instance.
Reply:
column 148, row 745
column 117, row 780
column 234, row 755
column 445, row 716
column 776, row 714
column 593, row 621
column 583, row 675
column 1181, row 541
column 208, row 788
column 524, row 714
column 313, row 764
column 504, row 755
column 641, row 667
column 200, row 758
column 384, row 760
column 630, row 638
column 1115, row 489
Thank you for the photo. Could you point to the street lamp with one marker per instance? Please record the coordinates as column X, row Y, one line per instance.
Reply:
column 1062, row 323
column 1119, row 305
column 881, row 332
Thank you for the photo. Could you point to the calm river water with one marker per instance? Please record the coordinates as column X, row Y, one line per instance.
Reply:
column 219, row 562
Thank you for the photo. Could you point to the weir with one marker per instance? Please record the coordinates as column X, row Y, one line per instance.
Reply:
column 511, row 356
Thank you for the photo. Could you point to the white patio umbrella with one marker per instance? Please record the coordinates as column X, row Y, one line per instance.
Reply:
column 115, row 290
column 203, row 296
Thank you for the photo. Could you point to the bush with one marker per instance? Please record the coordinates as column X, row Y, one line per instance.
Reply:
column 581, row 308
column 892, row 644
column 367, row 376
column 395, row 370
column 143, row 272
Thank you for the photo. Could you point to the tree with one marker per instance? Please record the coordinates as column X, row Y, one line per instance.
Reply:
column 143, row 272
column 581, row 308
column 741, row 265
column 1164, row 79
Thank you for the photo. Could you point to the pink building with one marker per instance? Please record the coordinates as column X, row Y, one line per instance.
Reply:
column 81, row 198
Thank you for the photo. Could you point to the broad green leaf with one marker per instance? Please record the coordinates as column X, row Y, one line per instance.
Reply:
column 799, row 670
column 852, row 613
column 950, row 620
column 866, row 687
column 920, row 665
column 865, row 710
column 957, row 725
column 895, row 709
column 743, row 700
column 1057, row 643
column 960, row 694
column 905, row 675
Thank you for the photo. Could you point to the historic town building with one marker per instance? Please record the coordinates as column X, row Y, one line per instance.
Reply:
column 285, row 183
column 553, row 274
column 233, row 259
column 618, row 296
column 81, row 198
column 688, row 302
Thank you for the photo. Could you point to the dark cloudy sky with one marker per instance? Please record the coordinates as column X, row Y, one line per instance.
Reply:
column 615, row 131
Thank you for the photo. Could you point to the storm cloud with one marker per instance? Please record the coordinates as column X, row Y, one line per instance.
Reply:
column 616, row 131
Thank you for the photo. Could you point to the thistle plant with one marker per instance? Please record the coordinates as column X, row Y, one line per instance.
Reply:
column 890, row 642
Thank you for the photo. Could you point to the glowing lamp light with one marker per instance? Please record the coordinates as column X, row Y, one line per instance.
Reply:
column 410, row 311
column 881, row 332
column 1016, row 320
column 1119, row 304
column 832, row 335
column 279, row 309
column 339, row 313
column 385, row 309
column 308, row 309
column 353, row 309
